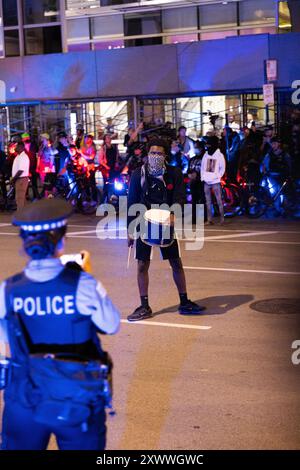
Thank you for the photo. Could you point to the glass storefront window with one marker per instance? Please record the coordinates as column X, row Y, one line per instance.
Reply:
column 188, row 115
column 11, row 43
column 79, row 47
column 177, row 38
column 257, row 11
column 78, row 30
column 218, row 35
column 179, row 20
column 265, row 30
column 118, row 111
column 45, row 40
column 218, row 15
column 149, row 23
column 111, row 25
column 82, row 4
column 154, row 41
column 109, row 44
column 135, row 25
column 256, row 111
column 46, row 11
column 216, row 106
column 156, row 112
column 108, row 3
column 1, row 48
column 1, row 39
column 284, row 17
column 10, row 12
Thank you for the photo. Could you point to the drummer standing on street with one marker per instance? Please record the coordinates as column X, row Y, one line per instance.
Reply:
column 158, row 183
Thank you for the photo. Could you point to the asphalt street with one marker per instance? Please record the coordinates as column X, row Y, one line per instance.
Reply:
column 222, row 380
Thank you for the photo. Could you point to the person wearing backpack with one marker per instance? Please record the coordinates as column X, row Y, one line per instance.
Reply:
column 157, row 183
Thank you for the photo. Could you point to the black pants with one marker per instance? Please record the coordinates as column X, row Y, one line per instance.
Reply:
column 34, row 184
column 21, row 432
column 3, row 188
column 198, row 197
column 93, row 188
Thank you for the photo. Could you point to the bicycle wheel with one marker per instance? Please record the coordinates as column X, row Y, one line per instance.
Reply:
column 84, row 202
column 232, row 200
column 291, row 205
column 257, row 202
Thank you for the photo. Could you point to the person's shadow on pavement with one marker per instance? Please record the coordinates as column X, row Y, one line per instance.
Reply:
column 217, row 305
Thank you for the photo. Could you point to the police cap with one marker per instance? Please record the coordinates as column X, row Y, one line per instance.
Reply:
column 43, row 215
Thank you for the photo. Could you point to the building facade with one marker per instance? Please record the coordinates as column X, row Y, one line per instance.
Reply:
column 192, row 63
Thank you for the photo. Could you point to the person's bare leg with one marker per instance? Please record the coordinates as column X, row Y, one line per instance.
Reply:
column 143, row 277
column 144, row 311
column 178, row 275
column 186, row 306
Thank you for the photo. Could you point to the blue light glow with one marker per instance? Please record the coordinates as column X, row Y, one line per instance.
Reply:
column 119, row 186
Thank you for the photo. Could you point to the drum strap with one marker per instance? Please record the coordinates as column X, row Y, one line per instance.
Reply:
column 152, row 194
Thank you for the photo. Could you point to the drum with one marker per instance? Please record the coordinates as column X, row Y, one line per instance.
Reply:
column 158, row 228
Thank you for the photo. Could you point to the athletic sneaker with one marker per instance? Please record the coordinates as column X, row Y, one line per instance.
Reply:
column 140, row 313
column 190, row 308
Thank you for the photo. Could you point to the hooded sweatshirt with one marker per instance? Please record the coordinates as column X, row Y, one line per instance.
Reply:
column 212, row 167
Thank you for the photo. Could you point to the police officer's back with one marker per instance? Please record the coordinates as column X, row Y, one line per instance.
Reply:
column 50, row 314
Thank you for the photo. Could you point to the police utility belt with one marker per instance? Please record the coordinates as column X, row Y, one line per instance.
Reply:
column 63, row 389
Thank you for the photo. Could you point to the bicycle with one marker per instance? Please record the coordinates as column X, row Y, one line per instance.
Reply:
column 282, row 197
column 75, row 189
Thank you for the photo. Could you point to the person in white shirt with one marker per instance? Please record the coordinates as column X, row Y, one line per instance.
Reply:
column 233, row 125
column 186, row 144
column 21, row 164
column 212, row 169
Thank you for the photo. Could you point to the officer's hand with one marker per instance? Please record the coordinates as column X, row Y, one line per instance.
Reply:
column 130, row 240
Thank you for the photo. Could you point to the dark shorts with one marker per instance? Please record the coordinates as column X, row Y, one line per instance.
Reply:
column 143, row 251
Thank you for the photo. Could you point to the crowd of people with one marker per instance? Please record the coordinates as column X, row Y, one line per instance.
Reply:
column 238, row 154
column 45, row 162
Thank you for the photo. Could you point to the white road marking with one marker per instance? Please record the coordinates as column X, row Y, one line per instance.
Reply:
column 215, row 237
column 235, row 235
column 208, row 268
column 217, row 229
column 81, row 232
column 243, row 230
column 86, row 236
column 219, row 238
column 9, row 233
column 81, row 225
column 168, row 325
column 207, row 239
column 263, row 242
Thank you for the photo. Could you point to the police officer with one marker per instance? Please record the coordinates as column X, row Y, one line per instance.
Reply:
column 50, row 315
